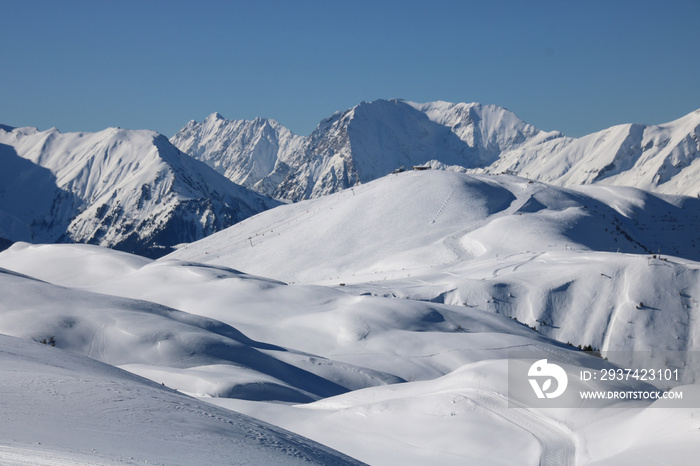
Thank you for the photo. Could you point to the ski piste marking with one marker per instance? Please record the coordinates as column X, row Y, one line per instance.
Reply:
column 444, row 204
column 557, row 446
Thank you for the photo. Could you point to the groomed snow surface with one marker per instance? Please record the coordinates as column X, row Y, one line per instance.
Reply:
column 376, row 321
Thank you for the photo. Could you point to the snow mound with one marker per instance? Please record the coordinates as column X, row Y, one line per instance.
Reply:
column 136, row 333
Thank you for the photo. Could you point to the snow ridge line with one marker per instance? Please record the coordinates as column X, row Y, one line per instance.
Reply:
column 442, row 207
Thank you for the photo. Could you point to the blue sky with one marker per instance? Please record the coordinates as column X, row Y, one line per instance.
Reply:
column 577, row 67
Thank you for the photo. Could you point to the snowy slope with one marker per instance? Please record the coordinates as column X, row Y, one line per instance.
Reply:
column 488, row 129
column 420, row 220
column 367, row 342
column 154, row 339
column 59, row 408
column 352, row 147
column 502, row 244
column 131, row 190
column 322, row 331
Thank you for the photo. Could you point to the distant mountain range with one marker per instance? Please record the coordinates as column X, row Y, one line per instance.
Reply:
column 129, row 190
column 356, row 146
column 136, row 191
column 373, row 139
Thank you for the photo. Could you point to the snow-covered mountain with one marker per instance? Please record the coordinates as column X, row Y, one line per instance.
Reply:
column 383, row 321
column 366, row 142
column 131, row 190
column 660, row 158
column 250, row 153
column 372, row 139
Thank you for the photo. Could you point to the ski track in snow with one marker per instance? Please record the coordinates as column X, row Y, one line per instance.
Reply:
column 99, row 335
column 442, row 207
column 613, row 319
column 556, row 443
column 514, row 266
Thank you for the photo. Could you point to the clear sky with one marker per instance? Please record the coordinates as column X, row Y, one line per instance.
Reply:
column 574, row 66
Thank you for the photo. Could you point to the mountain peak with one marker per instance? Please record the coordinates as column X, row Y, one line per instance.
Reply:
column 215, row 116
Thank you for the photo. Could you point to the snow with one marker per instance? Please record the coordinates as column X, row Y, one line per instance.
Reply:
column 408, row 223
column 406, row 362
column 250, row 153
column 66, row 409
column 491, row 128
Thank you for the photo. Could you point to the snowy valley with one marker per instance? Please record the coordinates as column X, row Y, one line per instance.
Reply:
column 373, row 320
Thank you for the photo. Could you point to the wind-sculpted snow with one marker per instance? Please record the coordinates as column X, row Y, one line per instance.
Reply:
column 421, row 381
column 122, row 331
column 131, row 190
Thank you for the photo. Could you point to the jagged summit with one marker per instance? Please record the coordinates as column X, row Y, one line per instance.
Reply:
column 248, row 152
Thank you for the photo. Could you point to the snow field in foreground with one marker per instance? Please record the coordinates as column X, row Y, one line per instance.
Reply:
column 61, row 408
